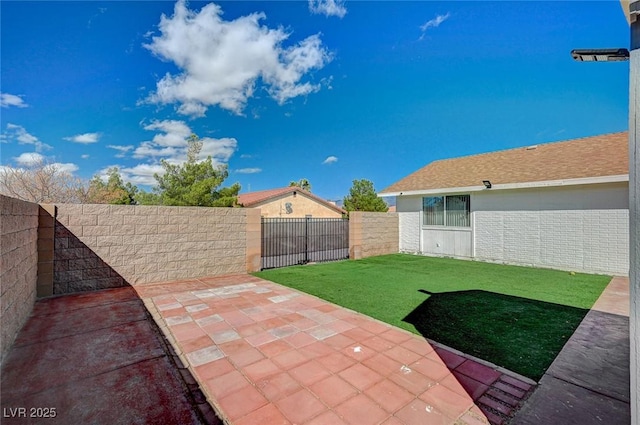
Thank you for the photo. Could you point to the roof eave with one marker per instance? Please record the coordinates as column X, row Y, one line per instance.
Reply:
column 507, row 186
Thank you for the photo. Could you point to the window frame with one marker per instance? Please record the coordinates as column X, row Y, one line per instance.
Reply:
column 444, row 212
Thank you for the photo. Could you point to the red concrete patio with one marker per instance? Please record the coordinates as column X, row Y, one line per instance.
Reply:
column 267, row 354
column 96, row 357
column 256, row 351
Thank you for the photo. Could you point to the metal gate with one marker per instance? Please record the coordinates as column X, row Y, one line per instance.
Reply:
column 290, row 241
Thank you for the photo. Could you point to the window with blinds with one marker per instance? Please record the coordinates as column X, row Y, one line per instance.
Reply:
column 450, row 211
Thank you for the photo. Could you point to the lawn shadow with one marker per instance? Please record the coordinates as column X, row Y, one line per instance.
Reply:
column 519, row 334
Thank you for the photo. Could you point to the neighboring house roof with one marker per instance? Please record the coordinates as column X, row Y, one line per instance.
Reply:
column 595, row 159
column 251, row 199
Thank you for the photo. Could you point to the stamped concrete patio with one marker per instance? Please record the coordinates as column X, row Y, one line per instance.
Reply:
column 267, row 354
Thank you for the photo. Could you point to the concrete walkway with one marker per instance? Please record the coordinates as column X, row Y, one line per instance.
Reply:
column 267, row 354
column 96, row 358
column 588, row 383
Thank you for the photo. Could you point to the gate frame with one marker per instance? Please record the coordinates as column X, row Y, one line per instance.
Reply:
column 307, row 221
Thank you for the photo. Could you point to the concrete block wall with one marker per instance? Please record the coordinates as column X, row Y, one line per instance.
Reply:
column 46, row 242
column 253, row 239
column 18, row 267
column 372, row 233
column 103, row 246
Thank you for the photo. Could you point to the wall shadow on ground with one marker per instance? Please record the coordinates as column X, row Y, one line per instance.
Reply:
column 520, row 334
column 100, row 301
column 77, row 268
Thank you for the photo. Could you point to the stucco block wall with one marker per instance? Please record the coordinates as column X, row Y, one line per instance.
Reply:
column 103, row 246
column 372, row 233
column 582, row 228
column 46, row 242
column 301, row 206
column 19, row 264
column 409, row 210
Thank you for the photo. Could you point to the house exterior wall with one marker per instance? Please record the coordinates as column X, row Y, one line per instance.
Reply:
column 301, row 206
column 409, row 213
column 103, row 246
column 18, row 272
column 581, row 228
column 444, row 241
column 447, row 242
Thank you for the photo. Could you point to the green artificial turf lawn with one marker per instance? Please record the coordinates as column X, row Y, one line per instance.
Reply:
column 515, row 317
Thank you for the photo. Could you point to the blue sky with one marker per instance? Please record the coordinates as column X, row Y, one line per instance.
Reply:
column 329, row 91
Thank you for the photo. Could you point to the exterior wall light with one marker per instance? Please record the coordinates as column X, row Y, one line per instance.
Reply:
column 486, row 184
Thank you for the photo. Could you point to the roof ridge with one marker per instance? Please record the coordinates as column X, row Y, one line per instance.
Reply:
column 266, row 190
column 283, row 190
column 527, row 146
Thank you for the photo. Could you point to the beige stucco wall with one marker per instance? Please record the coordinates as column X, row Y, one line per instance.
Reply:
column 301, row 206
column 373, row 233
column 104, row 246
column 18, row 270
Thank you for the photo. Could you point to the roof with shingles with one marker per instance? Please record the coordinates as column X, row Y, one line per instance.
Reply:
column 250, row 199
column 589, row 157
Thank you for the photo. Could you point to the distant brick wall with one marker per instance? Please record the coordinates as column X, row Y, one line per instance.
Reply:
column 19, row 264
column 103, row 246
column 372, row 233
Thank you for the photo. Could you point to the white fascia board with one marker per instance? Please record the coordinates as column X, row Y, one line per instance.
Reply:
column 506, row 186
column 434, row 191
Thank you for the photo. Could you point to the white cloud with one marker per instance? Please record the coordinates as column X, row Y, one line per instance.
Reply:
column 433, row 23
column 222, row 61
column 141, row 174
column 171, row 144
column 7, row 100
column 149, row 149
column 67, row 167
column 330, row 160
column 17, row 132
column 249, row 170
column 85, row 138
column 219, row 149
column 28, row 158
column 175, row 132
column 328, row 7
column 121, row 149
column 85, row 156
